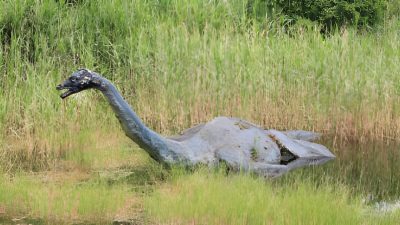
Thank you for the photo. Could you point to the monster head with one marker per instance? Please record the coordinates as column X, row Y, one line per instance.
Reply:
column 80, row 80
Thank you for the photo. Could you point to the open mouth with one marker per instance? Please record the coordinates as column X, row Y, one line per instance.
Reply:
column 70, row 90
column 298, row 153
column 286, row 156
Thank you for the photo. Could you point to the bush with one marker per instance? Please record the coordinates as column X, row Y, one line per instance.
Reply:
column 335, row 13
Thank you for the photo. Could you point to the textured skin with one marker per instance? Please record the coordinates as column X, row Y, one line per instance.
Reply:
column 237, row 143
column 243, row 145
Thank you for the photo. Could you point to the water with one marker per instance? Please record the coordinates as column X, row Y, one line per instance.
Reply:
column 373, row 168
column 370, row 169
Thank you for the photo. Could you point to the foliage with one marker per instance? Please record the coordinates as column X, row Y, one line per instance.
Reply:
column 359, row 13
column 329, row 13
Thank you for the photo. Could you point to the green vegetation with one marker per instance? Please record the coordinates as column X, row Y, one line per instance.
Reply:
column 204, row 198
column 335, row 14
column 180, row 63
column 62, row 201
column 179, row 67
column 109, row 185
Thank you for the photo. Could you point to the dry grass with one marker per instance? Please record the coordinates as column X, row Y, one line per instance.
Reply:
column 179, row 69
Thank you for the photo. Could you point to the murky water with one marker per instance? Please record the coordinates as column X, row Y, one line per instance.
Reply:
column 372, row 169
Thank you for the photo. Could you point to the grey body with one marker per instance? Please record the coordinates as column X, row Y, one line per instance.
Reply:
column 237, row 143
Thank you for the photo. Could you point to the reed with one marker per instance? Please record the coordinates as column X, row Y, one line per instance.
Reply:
column 181, row 63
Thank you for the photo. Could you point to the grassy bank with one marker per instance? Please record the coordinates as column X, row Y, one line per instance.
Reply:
column 204, row 198
column 200, row 197
column 62, row 201
column 103, row 184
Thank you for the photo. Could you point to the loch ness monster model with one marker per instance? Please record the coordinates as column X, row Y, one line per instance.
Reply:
column 237, row 143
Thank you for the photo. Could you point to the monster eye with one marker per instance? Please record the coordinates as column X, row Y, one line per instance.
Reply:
column 73, row 79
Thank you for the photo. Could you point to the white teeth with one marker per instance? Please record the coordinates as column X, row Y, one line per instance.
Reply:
column 65, row 94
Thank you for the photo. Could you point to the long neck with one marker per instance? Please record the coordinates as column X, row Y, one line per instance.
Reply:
column 134, row 128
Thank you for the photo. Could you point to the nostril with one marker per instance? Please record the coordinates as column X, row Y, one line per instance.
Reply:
column 59, row 87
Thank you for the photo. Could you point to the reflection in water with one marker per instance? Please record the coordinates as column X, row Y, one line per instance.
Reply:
column 370, row 169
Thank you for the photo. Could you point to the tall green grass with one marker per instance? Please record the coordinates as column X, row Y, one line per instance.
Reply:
column 180, row 63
